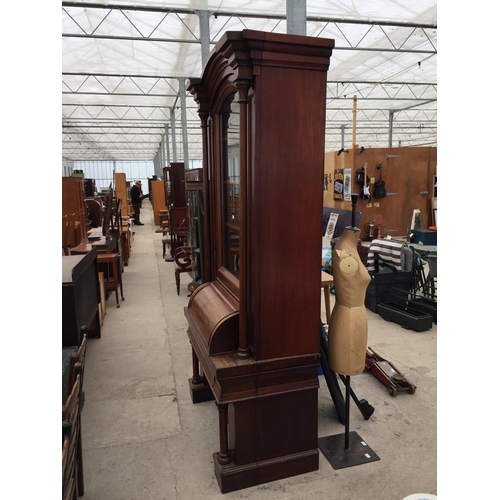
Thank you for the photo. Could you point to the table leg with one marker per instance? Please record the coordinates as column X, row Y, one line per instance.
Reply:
column 326, row 289
column 115, row 277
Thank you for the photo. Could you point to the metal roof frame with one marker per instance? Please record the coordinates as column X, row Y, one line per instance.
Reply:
column 124, row 65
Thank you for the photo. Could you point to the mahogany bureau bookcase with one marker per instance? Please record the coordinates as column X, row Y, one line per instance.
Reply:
column 254, row 323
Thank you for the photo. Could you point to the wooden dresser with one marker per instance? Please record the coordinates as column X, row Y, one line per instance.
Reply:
column 80, row 297
column 73, row 202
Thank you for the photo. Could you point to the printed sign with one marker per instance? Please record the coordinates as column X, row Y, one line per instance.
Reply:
column 347, row 184
column 338, row 184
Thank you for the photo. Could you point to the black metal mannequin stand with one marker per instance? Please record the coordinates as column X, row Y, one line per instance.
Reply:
column 354, row 202
column 347, row 449
column 354, row 451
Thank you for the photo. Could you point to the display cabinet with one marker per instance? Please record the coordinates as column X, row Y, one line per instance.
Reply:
column 89, row 187
column 122, row 191
column 175, row 194
column 193, row 174
column 157, row 199
column 254, row 323
column 195, row 211
column 175, row 188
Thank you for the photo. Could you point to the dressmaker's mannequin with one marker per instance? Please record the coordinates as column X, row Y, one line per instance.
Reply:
column 348, row 326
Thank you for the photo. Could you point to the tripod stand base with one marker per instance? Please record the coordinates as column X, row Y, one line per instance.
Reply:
column 358, row 453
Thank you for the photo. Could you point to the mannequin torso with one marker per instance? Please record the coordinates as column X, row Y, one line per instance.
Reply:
column 348, row 327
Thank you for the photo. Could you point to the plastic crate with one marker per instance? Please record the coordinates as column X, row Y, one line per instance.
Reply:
column 386, row 287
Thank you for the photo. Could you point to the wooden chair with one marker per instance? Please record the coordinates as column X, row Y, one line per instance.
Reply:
column 70, row 235
column 72, row 463
column 182, row 259
column 96, row 210
column 163, row 216
column 65, row 245
column 68, row 481
column 77, row 365
column 109, row 264
column 166, row 239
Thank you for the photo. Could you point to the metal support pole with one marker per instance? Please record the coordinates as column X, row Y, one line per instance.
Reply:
column 172, row 126
column 185, row 144
column 354, row 116
column 342, row 136
column 167, row 146
column 391, row 120
column 156, row 164
column 161, row 158
column 296, row 17
column 162, row 153
column 204, row 16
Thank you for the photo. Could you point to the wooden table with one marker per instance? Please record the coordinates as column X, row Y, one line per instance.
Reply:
column 326, row 282
column 103, row 244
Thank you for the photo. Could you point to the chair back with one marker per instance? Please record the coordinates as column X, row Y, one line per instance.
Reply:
column 68, row 470
column 77, row 364
column 432, row 259
column 70, row 237
column 65, row 245
column 95, row 209
column 71, row 438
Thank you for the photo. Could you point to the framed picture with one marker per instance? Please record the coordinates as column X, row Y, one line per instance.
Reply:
column 338, row 184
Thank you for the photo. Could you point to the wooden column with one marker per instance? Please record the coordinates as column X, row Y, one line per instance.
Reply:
column 196, row 368
column 243, row 86
column 224, row 456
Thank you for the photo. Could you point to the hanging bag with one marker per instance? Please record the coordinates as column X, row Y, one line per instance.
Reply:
column 360, row 177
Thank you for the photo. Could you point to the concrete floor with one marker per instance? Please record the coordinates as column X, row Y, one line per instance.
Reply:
column 143, row 438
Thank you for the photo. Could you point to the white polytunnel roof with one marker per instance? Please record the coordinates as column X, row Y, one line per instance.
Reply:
column 125, row 63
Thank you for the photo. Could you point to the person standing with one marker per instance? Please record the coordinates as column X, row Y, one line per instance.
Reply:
column 136, row 199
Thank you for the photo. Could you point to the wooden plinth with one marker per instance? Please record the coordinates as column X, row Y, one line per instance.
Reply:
column 232, row 477
column 200, row 392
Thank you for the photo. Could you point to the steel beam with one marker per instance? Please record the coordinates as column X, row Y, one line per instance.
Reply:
column 167, row 145
column 296, row 18
column 88, row 5
column 185, row 142
column 172, row 127
column 204, row 17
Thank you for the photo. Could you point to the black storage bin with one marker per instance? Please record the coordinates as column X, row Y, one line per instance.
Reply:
column 386, row 287
column 425, row 236
column 405, row 316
